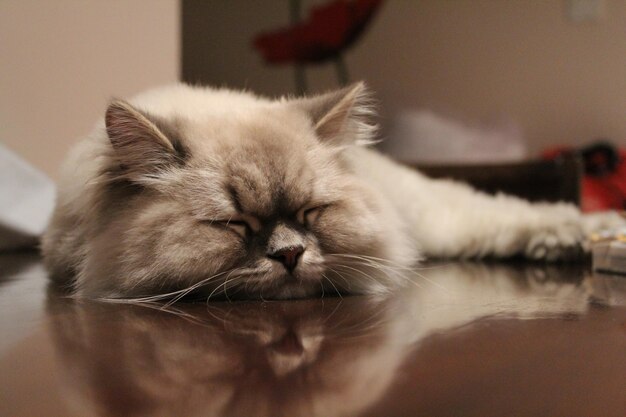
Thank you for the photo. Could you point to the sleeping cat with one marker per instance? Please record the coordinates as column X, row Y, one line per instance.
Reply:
column 189, row 189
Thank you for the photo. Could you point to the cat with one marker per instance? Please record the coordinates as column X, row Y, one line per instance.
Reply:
column 218, row 192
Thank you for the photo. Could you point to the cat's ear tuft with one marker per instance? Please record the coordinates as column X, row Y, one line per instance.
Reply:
column 140, row 147
column 342, row 117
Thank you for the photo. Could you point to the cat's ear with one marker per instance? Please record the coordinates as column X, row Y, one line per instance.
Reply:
column 140, row 147
column 342, row 117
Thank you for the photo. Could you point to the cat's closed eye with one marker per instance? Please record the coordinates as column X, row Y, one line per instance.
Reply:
column 242, row 224
column 241, row 227
column 307, row 215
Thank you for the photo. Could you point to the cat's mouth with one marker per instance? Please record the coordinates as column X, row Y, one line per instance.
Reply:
column 266, row 284
column 285, row 284
column 291, row 290
column 279, row 290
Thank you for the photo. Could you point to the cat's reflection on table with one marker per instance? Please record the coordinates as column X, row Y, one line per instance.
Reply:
column 320, row 357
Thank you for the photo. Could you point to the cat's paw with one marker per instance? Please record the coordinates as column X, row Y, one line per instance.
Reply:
column 556, row 244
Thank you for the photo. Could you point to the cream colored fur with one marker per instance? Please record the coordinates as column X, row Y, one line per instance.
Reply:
column 190, row 189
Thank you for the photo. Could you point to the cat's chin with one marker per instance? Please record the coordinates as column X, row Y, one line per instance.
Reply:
column 289, row 288
column 279, row 285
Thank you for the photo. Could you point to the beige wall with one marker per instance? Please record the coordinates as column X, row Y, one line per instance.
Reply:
column 563, row 82
column 62, row 60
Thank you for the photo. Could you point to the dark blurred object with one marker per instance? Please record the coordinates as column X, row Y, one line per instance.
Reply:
column 604, row 180
column 600, row 159
column 552, row 181
column 14, row 262
column 329, row 30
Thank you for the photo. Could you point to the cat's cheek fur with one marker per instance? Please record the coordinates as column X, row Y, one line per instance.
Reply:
column 363, row 232
column 157, row 250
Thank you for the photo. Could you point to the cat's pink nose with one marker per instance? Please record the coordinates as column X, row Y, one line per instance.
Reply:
column 288, row 256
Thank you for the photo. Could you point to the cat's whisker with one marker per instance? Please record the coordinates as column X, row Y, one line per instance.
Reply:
column 223, row 284
column 195, row 286
column 334, row 311
column 386, row 262
column 338, row 274
column 363, row 273
column 409, row 270
column 395, row 269
column 366, row 327
column 159, row 297
column 174, row 311
column 403, row 275
column 331, row 283
column 376, row 282
column 383, row 268
column 367, row 262
column 137, row 300
column 245, row 287
column 436, row 284
column 261, row 295
column 235, row 283
column 400, row 275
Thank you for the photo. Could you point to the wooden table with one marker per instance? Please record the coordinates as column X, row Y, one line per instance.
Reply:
column 464, row 339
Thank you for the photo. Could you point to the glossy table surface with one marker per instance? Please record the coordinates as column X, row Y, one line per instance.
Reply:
column 464, row 339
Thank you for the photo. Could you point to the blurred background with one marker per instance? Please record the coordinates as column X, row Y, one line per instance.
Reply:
column 457, row 80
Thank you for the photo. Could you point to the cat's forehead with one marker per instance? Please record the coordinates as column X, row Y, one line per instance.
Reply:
column 263, row 166
column 251, row 183
column 254, row 127
column 265, row 184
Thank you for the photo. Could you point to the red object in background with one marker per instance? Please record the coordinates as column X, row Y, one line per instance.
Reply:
column 328, row 31
column 604, row 182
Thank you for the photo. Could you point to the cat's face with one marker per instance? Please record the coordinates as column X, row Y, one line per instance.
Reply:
column 262, row 205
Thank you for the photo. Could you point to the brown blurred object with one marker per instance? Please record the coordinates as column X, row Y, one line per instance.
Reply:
column 551, row 181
